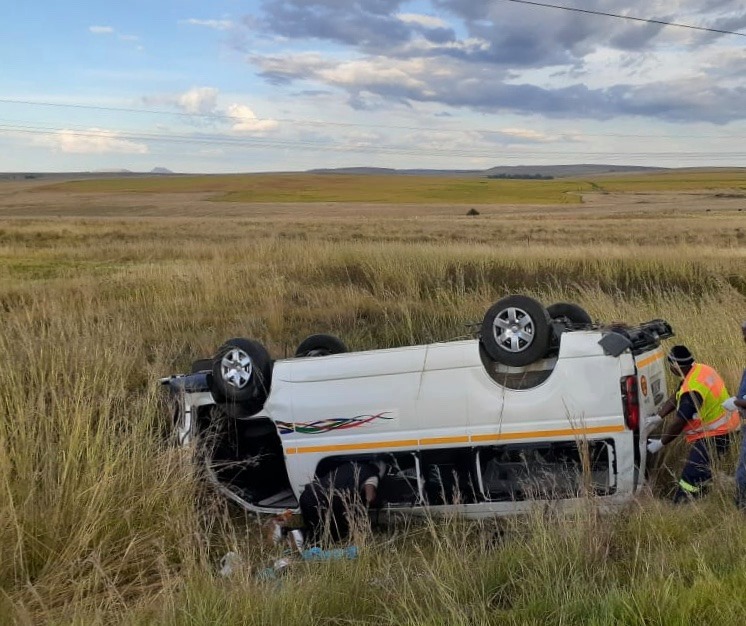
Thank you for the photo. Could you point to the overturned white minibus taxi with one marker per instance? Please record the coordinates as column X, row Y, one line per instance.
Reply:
column 543, row 404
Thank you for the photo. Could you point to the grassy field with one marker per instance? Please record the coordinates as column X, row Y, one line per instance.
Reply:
column 341, row 188
column 103, row 521
column 408, row 189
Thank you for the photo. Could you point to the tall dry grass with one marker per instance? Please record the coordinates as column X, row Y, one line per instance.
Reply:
column 102, row 520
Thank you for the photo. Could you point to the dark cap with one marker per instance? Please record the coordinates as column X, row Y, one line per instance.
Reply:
column 681, row 356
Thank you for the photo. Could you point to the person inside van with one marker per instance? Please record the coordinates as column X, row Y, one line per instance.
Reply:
column 328, row 502
column 700, row 417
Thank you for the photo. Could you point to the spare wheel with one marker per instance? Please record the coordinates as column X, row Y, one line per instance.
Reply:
column 516, row 331
column 320, row 345
column 568, row 312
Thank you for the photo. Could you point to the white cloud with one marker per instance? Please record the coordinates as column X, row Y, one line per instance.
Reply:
column 421, row 46
column 245, row 120
column 357, row 73
column 198, row 100
column 427, row 21
column 375, row 71
column 92, row 141
column 214, row 24
column 526, row 133
column 108, row 30
column 204, row 101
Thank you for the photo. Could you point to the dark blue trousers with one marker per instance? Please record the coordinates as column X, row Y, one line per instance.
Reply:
column 697, row 471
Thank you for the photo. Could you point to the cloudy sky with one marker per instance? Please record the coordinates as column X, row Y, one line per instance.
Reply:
column 259, row 85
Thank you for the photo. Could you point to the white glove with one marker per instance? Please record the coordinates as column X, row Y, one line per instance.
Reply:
column 654, row 445
column 730, row 404
column 651, row 421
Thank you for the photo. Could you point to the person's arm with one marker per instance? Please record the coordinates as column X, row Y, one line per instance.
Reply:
column 741, row 394
column 686, row 411
column 674, row 430
column 668, row 406
column 370, row 487
column 738, row 402
column 370, row 493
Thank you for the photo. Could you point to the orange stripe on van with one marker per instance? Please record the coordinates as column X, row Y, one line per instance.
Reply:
column 650, row 359
column 431, row 441
column 355, row 446
column 560, row 432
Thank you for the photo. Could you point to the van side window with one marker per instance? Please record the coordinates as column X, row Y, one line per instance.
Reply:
column 400, row 486
column 547, row 471
column 449, row 476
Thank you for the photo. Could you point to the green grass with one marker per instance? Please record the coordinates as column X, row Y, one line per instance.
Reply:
column 734, row 180
column 27, row 269
column 341, row 188
column 301, row 187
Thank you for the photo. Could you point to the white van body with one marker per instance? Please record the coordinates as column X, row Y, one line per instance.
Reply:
column 459, row 432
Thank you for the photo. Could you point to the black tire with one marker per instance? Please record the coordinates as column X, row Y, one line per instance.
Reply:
column 516, row 331
column 320, row 345
column 201, row 365
column 569, row 313
column 242, row 374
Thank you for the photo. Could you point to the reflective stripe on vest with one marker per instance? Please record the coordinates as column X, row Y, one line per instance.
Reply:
column 688, row 487
column 711, row 419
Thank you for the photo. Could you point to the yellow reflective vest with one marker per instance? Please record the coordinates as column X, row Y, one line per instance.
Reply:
column 711, row 418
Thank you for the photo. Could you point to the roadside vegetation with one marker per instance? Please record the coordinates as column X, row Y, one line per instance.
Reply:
column 103, row 521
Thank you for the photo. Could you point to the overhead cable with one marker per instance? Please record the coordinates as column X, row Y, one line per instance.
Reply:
column 629, row 17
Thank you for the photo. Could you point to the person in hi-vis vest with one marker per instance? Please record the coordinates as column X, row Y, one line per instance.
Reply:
column 700, row 418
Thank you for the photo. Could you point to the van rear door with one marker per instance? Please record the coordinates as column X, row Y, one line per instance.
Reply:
column 651, row 380
column 651, row 394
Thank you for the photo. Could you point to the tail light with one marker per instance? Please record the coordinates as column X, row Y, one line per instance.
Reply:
column 631, row 402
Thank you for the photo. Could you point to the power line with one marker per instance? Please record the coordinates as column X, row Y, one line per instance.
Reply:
column 211, row 116
column 378, row 149
column 95, row 107
column 628, row 17
column 325, row 123
column 217, row 139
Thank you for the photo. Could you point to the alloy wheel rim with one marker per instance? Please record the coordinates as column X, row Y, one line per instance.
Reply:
column 513, row 329
column 236, row 368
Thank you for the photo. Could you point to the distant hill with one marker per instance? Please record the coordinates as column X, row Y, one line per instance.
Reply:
column 102, row 174
column 509, row 171
column 390, row 171
column 564, row 171
column 504, row 171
